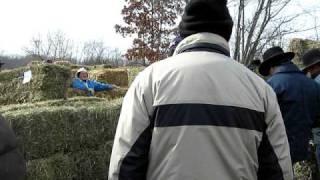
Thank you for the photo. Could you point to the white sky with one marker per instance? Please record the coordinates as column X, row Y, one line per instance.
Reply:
column 80, row 20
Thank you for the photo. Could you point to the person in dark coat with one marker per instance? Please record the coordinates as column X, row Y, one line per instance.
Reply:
column 298, row 97
column 12, row 163
column 311, row 63
column 254, row 65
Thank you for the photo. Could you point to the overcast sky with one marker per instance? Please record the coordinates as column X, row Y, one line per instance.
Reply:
column 80, row 20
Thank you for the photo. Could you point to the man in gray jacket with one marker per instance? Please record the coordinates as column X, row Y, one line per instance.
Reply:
column 199, row 114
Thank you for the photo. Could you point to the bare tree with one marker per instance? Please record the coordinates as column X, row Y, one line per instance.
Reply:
column 56, row 46
column 95, row 52
column 267, row 25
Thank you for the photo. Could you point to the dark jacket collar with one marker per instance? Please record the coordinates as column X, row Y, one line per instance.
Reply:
column 287, row 68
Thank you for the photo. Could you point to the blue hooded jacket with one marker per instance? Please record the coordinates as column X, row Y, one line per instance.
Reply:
column 298, row 97
column 90, row 84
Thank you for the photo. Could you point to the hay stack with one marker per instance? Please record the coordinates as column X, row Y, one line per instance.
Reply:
column 65, row 139
column 133, row 72
column 63, row 63
column 300, row 46
column 47, row 129
column 48, row 82
column 73, row 102
column 111, row 76
column 86, row 164
column 113, row 94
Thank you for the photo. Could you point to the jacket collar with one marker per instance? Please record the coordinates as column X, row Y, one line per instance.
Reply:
column 287, row 68
column 204, row 38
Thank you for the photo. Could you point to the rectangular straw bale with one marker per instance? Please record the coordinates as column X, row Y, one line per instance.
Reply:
column 74, row 102
column 48, row 82
column 83, row 165
column 112, row 94
column 301, row 46
column 44, row 131
column 112, row 76
column 133, row 72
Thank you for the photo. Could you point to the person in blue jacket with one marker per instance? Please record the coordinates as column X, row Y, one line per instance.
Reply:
column 82, row 82
column 298, row 97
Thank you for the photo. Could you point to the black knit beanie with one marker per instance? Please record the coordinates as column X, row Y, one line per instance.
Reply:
column 206, row 16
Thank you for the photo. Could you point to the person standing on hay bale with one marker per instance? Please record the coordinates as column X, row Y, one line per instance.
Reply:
column 298, row 97
column 82, row 83
column 200, row 114
column 12, row 163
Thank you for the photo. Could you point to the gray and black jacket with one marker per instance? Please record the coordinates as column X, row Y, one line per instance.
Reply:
column 200, row 115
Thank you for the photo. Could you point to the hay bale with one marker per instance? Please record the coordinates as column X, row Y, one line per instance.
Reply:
column 113, row 94
column 74, row 102
column 48, row 82
column 35, row 62
column 55, row 167
column 303, row 170
column 46, row 130
column 133, row 72
column 77, row 66
column 111, row 76
column 63, row 63
column 300, row 46
column 86, row 164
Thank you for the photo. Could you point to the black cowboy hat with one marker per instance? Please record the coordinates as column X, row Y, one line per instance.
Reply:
column 310, row 58
column 274, row 56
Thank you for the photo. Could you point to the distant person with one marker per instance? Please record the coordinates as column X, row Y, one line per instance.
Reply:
column 12, row 163
column 298, row 97
column 200, row 115
column 254, row 65
column 311, row 63
column 82, row 83
column 49, row 61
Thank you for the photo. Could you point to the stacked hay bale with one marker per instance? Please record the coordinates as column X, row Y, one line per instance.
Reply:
column 118, row 77
column 113, row 94
column 63, row 63
column 65, row 139
column 48, row 82
column 300, row 46
column 62, row 138
column 133, row 72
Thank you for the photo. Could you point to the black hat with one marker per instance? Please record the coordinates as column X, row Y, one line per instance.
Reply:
column 206, row 16
column 311, row 58
column 256, row 62
column 272, row 57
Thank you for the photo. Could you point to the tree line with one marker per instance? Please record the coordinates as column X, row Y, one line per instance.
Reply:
column 56, row 46
column 258, row 24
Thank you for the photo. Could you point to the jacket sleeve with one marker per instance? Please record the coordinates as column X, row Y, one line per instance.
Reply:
column 98, row 86
column 273, row 152
column 77, row 84
column 129, row 158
